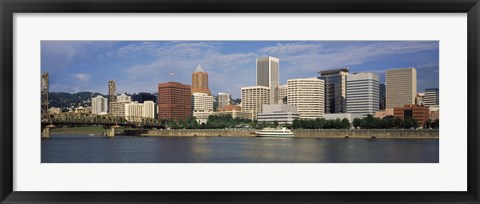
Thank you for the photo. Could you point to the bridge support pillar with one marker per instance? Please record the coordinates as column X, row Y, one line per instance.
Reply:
column 46, row 132
column 111, row 132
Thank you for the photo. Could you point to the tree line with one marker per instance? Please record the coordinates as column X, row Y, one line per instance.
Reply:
column 368, row 122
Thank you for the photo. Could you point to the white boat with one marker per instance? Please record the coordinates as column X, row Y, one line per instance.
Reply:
column 274, row 132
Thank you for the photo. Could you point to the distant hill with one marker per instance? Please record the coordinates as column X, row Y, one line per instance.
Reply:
column 65, row 100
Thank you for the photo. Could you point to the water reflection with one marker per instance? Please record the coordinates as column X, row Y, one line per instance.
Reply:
column 94, row 149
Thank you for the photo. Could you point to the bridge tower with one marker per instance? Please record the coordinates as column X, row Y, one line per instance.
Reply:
column 45, row 115
column 112, row 94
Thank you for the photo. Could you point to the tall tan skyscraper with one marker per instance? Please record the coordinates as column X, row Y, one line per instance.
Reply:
column 200, row 81
column 401, row 87
column 267, row 75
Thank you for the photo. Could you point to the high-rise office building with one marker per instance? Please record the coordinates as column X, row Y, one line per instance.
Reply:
column 174, row 101
column 308, row 95
column 223, row 99
column 335, row 89
column 267, row 75
column 135, row 111
column 118, row 107
column 401, row 87
column 112, row 93
column 382, row 96
column 282, row 94
column 432, row 97
column 149, row 110
column 253, row 97
column 202, row 106
column 200, row 81
column 99, row 105
column 362, row 93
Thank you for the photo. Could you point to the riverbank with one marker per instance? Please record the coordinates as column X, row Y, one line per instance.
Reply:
column 320, row 133
column 95, row 130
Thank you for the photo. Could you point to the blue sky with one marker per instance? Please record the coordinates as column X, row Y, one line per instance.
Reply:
column 138, row 66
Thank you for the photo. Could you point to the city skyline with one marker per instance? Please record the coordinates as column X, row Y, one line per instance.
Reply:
column 139, row 66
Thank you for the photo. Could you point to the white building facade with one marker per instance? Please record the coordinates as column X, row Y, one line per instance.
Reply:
column 202, row 106
column 363, row 93
column 124, row 98
column 253, row 97
column 99, row 105
column 280, row 113
column 150, row 109
column 134, row 111
column 308, row 95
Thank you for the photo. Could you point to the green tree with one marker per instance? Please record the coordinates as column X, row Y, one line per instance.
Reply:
column 345, row 124
column 296, row 124
column 357, row 122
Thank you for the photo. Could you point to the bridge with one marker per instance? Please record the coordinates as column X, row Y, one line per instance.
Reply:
column 110, row 123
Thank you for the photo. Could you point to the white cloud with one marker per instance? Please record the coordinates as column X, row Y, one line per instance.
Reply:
column 182, row 58
column 82, row 77
column 290, row 48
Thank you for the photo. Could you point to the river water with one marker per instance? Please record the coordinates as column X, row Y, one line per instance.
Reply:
column 125, row 149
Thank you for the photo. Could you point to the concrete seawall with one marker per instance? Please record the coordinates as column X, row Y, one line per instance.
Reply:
column 382, row 133
column 374, row 133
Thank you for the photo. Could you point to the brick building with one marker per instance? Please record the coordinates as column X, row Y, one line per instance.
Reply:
column 419, row 113
column 229, row 108
column 174, row 101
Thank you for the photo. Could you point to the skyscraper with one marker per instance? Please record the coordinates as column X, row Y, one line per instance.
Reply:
column 117, row 108
column 99, row 105
column 282, row 94
column 432, row 97
column 267, row 75
column 223, row 99
column 112, row 93
column 149, row 109
column 134, row 111
column 401, row 87
column 308, row 95
column 253, row 97
column 200, row 81
column 335, row 89
column 382, row 96
column 174, row 101
column 362, row 93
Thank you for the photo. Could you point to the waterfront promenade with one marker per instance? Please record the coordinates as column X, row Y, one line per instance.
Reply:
column 320, row 133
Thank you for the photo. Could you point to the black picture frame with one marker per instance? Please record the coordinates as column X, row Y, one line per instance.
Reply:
column 10, row 7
